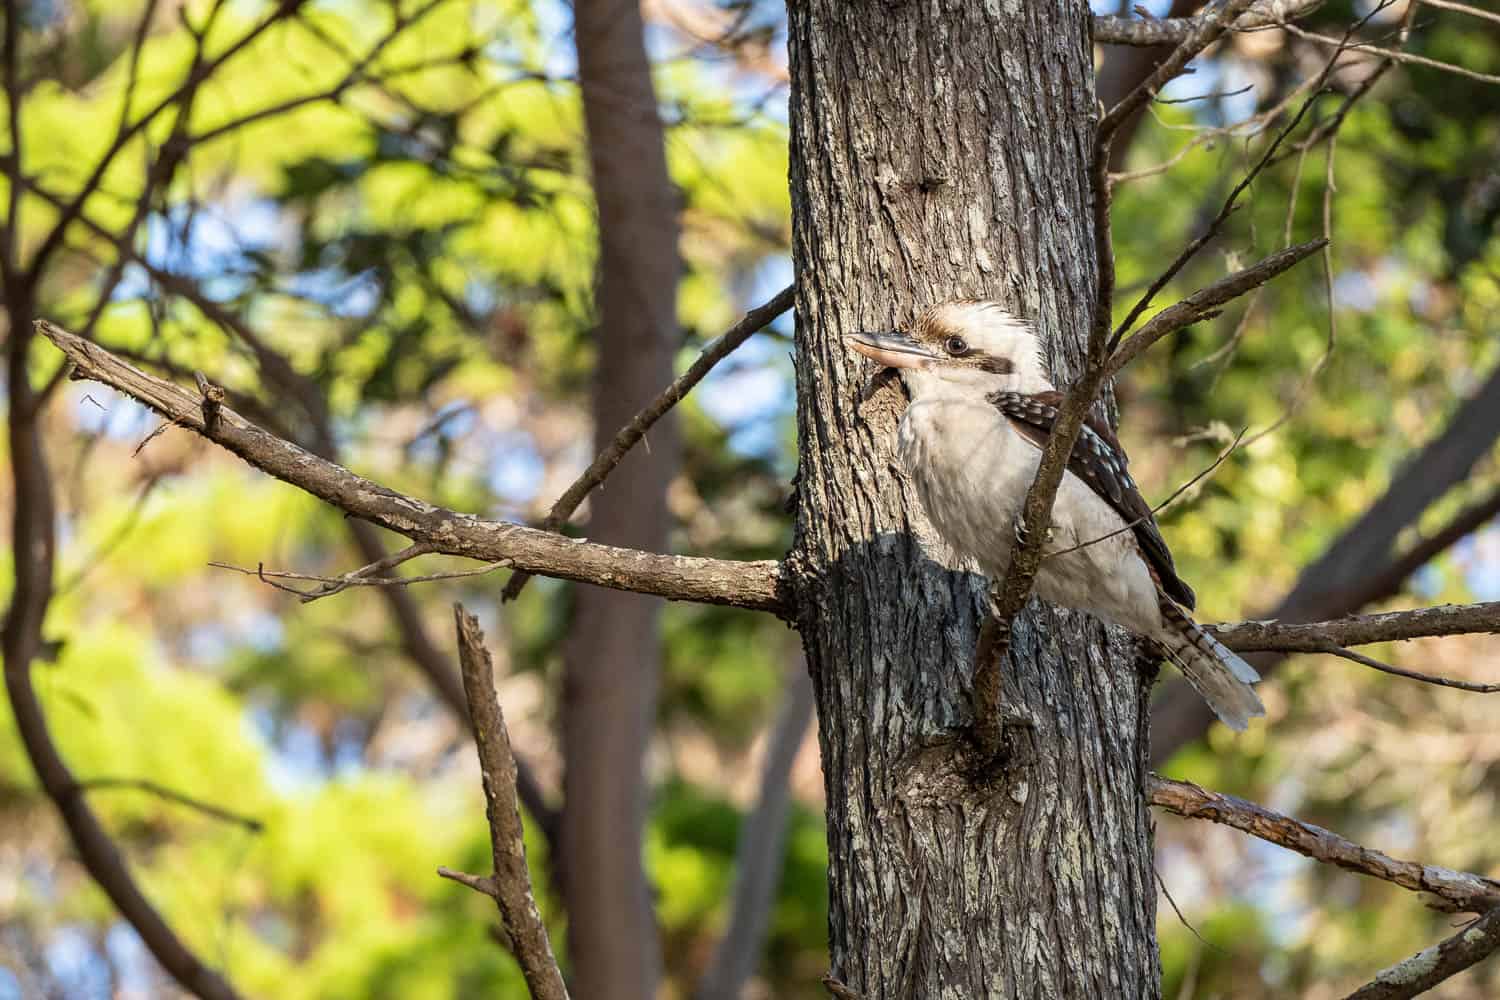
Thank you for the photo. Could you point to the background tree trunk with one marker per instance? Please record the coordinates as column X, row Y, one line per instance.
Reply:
column 940, row 150
column 613, row 656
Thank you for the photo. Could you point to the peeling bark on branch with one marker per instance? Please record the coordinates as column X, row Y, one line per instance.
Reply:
column 1110, row 29
column 1360, row 630
column 510, row 886
column 631, row 434
column 754, row 585
column 1461, row 891
column 1427, row 968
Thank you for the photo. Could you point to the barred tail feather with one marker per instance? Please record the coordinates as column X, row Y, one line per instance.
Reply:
column 1215, row 672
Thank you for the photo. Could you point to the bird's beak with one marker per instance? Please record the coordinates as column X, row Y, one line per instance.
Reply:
column 893, row 349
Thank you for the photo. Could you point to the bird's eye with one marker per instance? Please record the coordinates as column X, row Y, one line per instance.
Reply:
column 956, row 346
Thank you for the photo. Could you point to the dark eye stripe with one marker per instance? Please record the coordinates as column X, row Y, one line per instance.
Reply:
column 996, row 366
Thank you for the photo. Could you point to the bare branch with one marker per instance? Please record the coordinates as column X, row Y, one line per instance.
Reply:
column 1395, row 55
column 1144, row 32
column 510, row 886
column 1424, row 970
column 375, row 569
column 631, row 434
column 279, row 371
column 755, row 585
column 163, row 792
column 358, row 578
column 1203, row 303
column 1359, row 630
column 1383, row 667
column 1203, row 32
column 1462, row 892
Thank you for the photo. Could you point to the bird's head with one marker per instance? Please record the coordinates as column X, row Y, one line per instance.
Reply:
column 960, row 348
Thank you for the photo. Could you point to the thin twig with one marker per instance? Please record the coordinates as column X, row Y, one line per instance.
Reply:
column 1374, row 664
column 1179, row 491
column 1395, row 55
column 162, row 792
column 1162, row 883
column 1112, row 29
column 1462, row 892
column 604, row 463
column 510, row 886
column 1304, row 387
column 1230, row 202
column 1416, row 975
column 334, row 584
column 1203, row 303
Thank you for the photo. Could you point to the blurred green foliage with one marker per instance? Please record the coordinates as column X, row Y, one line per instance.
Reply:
column 421, row 250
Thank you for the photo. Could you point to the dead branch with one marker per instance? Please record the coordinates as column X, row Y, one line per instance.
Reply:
column 1387, row 668
column 1395, row 55
column 1146, row 32
column 510, row 886
column 1444, row 960
column 361, row 577
column 754, row 585
column 631, row 434
column 1462, row 892
column 376, row 569
column 275, row 367
column 1359, row 630
column 1204, row 302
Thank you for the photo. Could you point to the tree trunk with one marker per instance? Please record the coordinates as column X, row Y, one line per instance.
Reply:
column 613, row 657
column 940, row 150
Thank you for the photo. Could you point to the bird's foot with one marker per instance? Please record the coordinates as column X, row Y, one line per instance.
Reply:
column 1018, row 525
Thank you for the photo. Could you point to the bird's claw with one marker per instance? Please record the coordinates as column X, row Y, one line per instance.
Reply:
column 1019, row 527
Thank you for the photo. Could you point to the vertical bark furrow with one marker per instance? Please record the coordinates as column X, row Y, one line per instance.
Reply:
column 939, row 150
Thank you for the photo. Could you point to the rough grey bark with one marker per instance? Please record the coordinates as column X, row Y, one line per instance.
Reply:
column 940, row 150
column 614, row 653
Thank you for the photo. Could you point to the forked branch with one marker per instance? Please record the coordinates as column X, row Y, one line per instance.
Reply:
column 754, row 585
column 1110, row 29
column 1461, row 892
column 510, row 886
column 631, row 434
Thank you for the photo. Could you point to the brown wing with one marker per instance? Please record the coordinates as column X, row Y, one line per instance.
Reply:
column 1099, row 461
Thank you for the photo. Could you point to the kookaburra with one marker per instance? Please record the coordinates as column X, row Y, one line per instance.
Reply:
column 971, row 440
